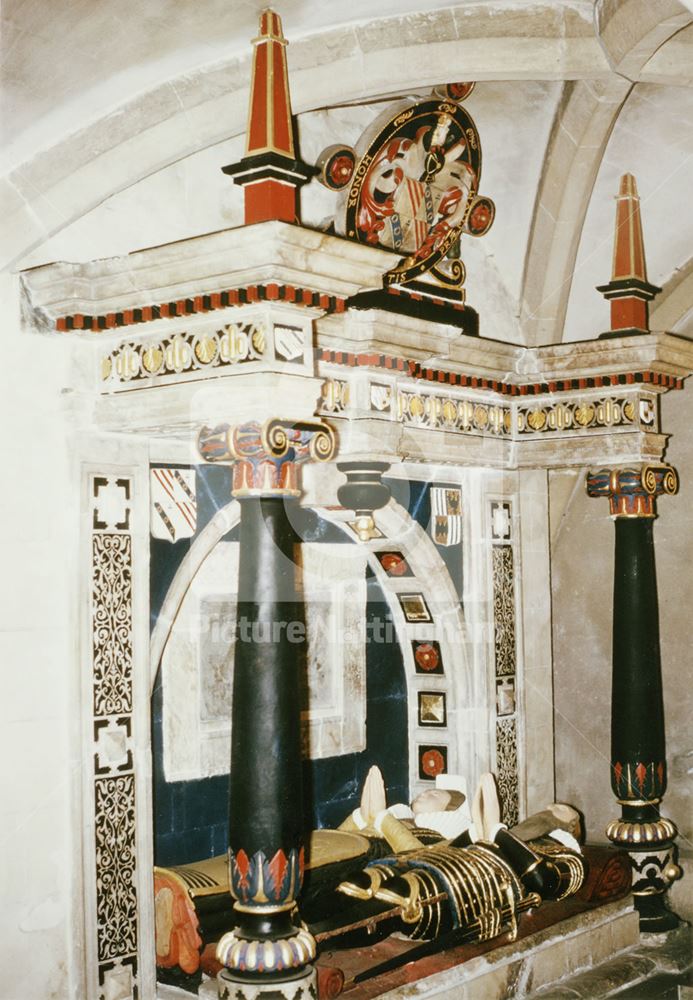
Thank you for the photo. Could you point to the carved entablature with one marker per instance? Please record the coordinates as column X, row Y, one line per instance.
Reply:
column 279, row 309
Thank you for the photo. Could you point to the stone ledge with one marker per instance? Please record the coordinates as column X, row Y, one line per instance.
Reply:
column 602, row 981
column 514, row 970
column 657, row 955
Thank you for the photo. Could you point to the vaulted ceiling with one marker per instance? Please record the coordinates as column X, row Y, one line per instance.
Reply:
column 117, row 116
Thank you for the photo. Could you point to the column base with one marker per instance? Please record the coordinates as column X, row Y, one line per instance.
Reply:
column 302, row 985
column 654, row 869
column 252, row 956
column 655, row 915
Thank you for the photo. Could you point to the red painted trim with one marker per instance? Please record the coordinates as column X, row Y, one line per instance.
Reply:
column 414, row 370
column 272, row 292
column 282, row 111
column 257, row 124
column 270, row 199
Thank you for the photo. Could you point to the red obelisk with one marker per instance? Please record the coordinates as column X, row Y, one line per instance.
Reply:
column 270, row 172
column 629, row 291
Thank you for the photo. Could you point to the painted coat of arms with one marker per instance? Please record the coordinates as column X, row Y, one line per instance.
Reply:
column 446, row 511
column 415, row 189
column 173, row 510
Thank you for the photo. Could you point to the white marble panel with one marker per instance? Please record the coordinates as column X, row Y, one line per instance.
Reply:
column 197, row 665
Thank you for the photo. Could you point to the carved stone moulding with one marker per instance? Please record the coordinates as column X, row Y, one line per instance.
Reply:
column 271, row 291
column 509, row 382
column 232, row 267
column 270, row 337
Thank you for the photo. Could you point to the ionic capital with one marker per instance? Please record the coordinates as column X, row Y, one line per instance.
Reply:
column 632, row 492
column 266, row 456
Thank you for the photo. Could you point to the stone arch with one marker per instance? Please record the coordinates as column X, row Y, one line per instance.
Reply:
column 219, row 525
column 585, row 117
column 630, row 34
column 631, row 31
column 463, row 692
column 671, row 308
column 206, row 105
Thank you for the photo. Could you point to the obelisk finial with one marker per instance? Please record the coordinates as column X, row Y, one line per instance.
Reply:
column 270, row 128
column 629, row 290
column 270, row 171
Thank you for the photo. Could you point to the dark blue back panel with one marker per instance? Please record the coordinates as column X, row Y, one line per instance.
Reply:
column 333, row 785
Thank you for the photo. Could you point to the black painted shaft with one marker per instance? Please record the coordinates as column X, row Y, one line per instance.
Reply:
column 265, row 803
column 637, row 708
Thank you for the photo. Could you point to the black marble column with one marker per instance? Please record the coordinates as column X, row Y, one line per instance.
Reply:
column 270, row 950
column 638, row 754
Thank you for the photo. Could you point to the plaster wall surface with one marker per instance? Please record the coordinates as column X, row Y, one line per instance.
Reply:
column 39, row 873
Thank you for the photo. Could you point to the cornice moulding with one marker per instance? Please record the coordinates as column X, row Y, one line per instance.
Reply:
column 229, row 258
column 301, row 268
column 663, row 352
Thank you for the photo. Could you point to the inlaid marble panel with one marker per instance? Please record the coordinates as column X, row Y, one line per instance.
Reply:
column 198, row 661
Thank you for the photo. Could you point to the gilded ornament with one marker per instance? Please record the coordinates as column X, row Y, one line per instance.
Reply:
column 335, row 394
column 558, row 417
column 584, row 414
column 413, row 189
column 481, row 417
column 466, row 412
column 205, row 349
column 654, row 475
column 434, row 409
column 275, row 439
column 330, row 394
column 449, row 412
column 416, row 407
column 152, row 359
column 233, row 345
column 258, row 340
column 622, row 832
column 127, row 364
column 243, row 955
column 496, row 418
column 322, row 443
column 106, row 368
column 536, row 419
column 606, row 414
column 450, row 272
column 629, row 411
column 177, row 354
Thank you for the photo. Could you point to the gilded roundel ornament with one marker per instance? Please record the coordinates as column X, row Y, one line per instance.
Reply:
column 415, row 187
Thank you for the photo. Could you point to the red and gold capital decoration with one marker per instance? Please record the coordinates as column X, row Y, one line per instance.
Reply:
column 266, row 456
column 632, row 492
